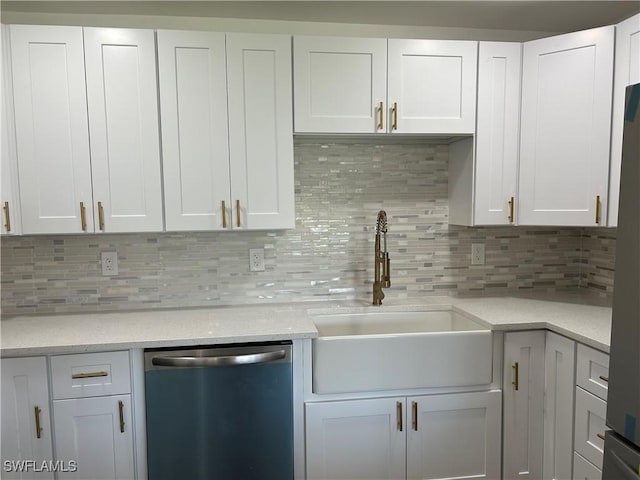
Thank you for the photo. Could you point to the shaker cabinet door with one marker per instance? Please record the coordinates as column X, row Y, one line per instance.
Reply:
column 52, row 135
column 123, row 122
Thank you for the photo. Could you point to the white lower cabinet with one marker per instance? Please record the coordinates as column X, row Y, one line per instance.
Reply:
column 424, row 437
column 590, row 426
column 584, row 470
column 26, row 424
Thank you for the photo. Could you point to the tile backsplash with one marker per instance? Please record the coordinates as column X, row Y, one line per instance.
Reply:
column 329, row 255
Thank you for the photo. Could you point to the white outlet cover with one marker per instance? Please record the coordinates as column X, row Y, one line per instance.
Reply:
column 477, row 254
column 109, row 264
column 256, row 259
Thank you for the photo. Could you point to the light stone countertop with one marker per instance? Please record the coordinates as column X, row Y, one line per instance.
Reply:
column 571, row 315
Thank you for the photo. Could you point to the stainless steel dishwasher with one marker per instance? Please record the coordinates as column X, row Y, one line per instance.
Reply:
column 223, row 412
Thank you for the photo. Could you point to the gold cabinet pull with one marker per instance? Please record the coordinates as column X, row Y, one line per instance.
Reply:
column 121, row 412
column 515, row 376
column 83, row 217
column 37, row 412
column 598, row 208
column 414, row 416
column 101, row 216
column 600, row 436
column 395, row 116
column 399, row 415
column 604, row 379
column 224, row 214
column 512, row 203
column 7, row 217
column 380, row 125
column 76, row 376
column 238, row 213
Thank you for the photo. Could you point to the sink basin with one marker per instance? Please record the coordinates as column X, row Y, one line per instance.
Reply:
column 391, row 350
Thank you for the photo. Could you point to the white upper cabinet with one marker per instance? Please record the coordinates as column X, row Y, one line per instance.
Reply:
column 340, row 84
column 371, row 85
column 565, row 129
column 260, row 131
column 195, row 153
column 627, row 72
column 432, row 86
column 52, row 135
column 123, row 123
column 11, row 224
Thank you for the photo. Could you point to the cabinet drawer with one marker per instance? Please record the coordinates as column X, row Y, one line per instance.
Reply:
column 584, row 470
column 90, row 375
column 593, row 371
column 590, row 426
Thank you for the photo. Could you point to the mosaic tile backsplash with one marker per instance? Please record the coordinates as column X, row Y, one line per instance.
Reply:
column 328, row 256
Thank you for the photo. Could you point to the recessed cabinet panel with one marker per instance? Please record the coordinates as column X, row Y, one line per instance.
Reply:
column 590, row 426
column 260, row 131
column 339, row 84
column 123, row 120
column 51, row 128
column 193, row 101
column 566, row 118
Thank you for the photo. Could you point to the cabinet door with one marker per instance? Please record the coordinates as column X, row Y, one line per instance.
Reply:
column 11, row 224
column 123, row 121
column 195, row 145
column 52, row 134
column 627, row 72
column 356, row 439
column 584, row 470
column 340, row 84
column 96, row 432
column 523, row 404
column 590, row 426
column 565, row 129
column 260, row 131
column 560, row 362
column 496, row 164
column 433, row 84
column 454, row 436
column 25, row 407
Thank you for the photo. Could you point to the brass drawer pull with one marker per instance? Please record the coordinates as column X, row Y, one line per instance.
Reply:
column 83, row 217
column 600, row 436
column 516, row 373
column 512, row 203
column 101, row 216
column 380, row 125
column 238, row 213
column 76, row 376
column 37, row 412
column 604, row 379
column 399, row 415
column 224, row 214
column 598, row 208
column 121, row 411
column 395, row 116
column 7, row 217
column 414, row 416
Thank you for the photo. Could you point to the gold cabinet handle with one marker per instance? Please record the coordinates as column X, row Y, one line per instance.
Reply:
column 76, row 376
column 512, row 203
column 238, row 213
column 7, row 217
column 399, row 415
column 395, row 116
column 380, row 125
column 515, row 376
column 37, row 412
column 598, row 208
column 414, row 416
column 600, row 436
column 224, row 214
column 604, row 379
column 101, row 216
column 83, row 217
column 121, row 412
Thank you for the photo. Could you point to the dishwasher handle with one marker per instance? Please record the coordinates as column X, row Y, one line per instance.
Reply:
column 219, row 361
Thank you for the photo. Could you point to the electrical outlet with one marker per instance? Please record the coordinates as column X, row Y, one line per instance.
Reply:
column 477, row 254
column 109, row 264
column 256, row 259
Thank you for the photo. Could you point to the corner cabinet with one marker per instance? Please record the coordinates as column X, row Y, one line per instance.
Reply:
column 369, row 85
column 430, row 436
column 565, row 129
column 71, row 84
column 226, row 130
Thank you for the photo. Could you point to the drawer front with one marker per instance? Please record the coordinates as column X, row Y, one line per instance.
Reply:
column 90, row 375
column 590, row 426
column 584, row 470
column 593, row 371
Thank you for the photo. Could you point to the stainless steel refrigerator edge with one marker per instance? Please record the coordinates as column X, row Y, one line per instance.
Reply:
column 622, row 443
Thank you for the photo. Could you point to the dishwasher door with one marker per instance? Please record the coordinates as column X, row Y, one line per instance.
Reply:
column 220, row 413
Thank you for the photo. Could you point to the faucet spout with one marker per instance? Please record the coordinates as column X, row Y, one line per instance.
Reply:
column 381, row 266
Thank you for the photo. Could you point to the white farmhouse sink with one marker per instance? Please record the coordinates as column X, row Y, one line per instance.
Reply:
column 390, row 350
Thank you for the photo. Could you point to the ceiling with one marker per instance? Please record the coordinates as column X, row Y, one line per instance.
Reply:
column 549, row 16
